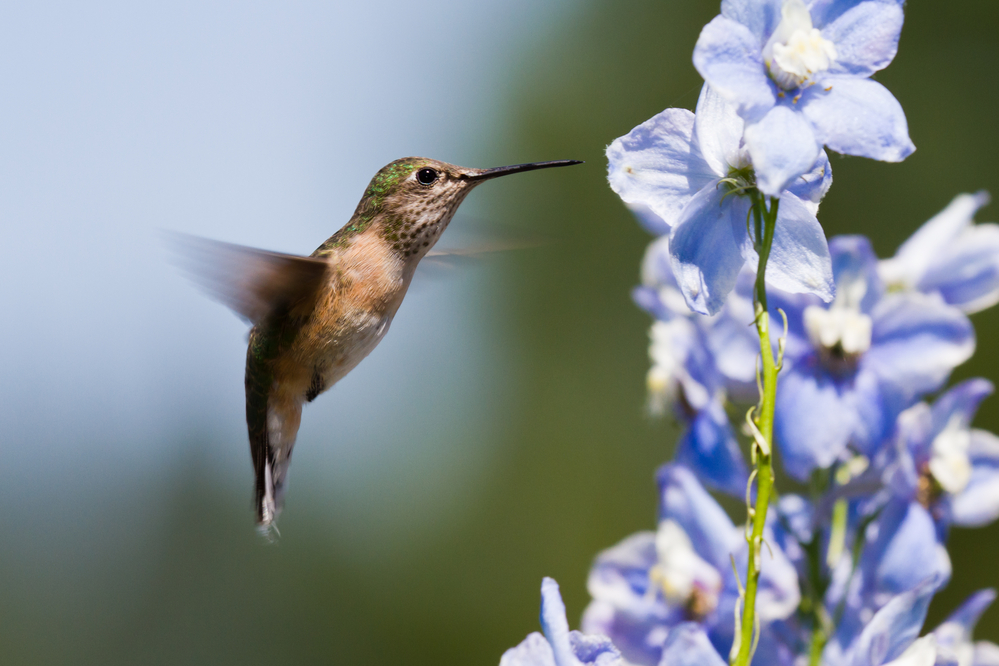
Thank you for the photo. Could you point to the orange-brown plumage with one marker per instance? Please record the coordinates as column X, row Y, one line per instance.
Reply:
column 315, row 318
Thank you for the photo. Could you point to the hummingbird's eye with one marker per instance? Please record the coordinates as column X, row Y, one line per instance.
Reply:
column 426, row 176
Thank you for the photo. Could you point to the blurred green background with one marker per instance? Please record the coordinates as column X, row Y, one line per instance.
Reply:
column 495, row 437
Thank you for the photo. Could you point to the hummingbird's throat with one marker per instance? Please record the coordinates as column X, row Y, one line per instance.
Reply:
column 415, row 229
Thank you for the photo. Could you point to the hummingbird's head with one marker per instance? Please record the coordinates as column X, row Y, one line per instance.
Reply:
column 415, row 198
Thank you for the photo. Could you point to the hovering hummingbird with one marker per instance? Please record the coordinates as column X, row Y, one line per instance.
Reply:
column 315, row 318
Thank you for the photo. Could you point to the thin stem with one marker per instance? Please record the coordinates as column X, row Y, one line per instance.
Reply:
column 765, row 221
column 837, row 535
column 819, row 639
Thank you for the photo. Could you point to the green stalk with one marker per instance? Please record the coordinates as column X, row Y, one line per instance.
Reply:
column 819, row 639
column 765, row 221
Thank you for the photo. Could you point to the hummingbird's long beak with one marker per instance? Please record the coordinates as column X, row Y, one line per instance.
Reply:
column 486, row 174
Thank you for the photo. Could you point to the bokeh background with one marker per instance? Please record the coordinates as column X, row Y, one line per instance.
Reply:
column 496, row 436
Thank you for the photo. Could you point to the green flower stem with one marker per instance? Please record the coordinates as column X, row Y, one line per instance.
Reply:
column 819, row 639
column 837, row 535
column 765, row 220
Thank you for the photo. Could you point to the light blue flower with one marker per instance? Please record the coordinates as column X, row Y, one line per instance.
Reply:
column 951, row 257
column 899, row 551
column 889, row 636
column 733, row 344
column 692, row 172
column 559, row 646
column 654, row 581
column 939, row 461
column 798, row 73
column 851, row 367
column 683, row 376
column 902, row 550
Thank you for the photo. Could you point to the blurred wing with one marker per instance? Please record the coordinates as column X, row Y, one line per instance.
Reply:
column 485, row 248
column 471, row 239
column 440, row 264
column 251, row 282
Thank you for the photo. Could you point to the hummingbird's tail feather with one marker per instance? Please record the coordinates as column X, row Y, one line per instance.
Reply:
column 251, row 282
column 272, row 419
column 271, row 447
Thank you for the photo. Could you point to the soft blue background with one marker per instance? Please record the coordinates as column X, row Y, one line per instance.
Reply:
column 496, row 436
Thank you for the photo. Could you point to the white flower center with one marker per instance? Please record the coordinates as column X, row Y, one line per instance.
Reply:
column 684, row 578
column 949, row 462
column 796, row 52
column 842, row 332
column 842, row 329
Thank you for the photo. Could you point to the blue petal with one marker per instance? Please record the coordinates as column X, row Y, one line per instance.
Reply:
column 678, row 347
column 812, row 186
column 688, row 645
column 783, row 147
column 858, row 117
column 958, row 627
column 876, row 404
column 721, row 633
column 799, row 260
column 775, row 644
column 685, row 501
column 709, row 448
column 532, row 651
column 554, row 624
column 899, row 475
column 621, row 573
column 657, row 166
column 760, row 16
column 595, row 650
column 865, row 37
column 966, row 272
column 706, row 247
column 718, row 130
column 734, row 344
column 962, row 401
column 978, row 504
column 730, row 59
column 914, row 436
column 983, row 448
column 812, row 421
column 825, row 12
column 916, row 341
column 893, row 628
column 933, row 239
column 639, row 638
column 656, row 270
column 657, row 275
column 938, row 243
column 905, row 553
column 648, row 299
column 657, row 278
column 651, row 222
column 853, row 261
column 624, row 607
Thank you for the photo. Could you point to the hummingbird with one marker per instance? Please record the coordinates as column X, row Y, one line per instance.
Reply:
column 315, row 318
